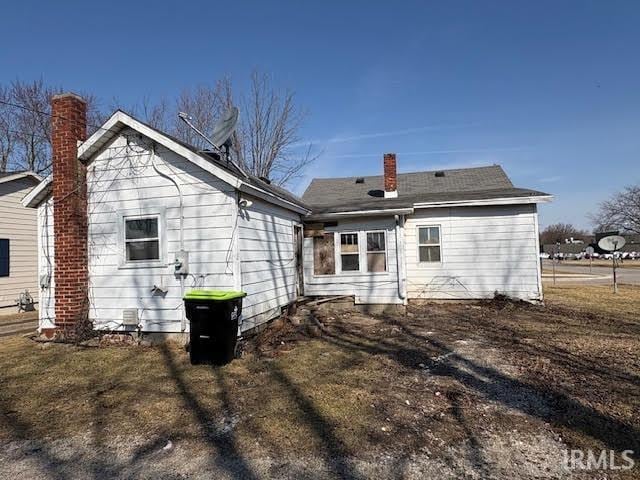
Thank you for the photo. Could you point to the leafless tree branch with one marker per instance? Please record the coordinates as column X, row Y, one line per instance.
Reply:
column 620, row 212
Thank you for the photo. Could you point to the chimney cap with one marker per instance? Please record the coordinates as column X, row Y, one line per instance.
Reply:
column 60, row 96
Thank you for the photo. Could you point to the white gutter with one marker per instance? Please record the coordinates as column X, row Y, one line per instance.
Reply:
column 486, row 201
column 362, row 213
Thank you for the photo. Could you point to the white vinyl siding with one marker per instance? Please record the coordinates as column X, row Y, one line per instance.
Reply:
column 121, row 183
column 18, row 225
column 46, row 261
column 267, row 261
column 366, row 287
column 483, row 250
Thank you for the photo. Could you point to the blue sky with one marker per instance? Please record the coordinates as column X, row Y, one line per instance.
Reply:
column 548, row 89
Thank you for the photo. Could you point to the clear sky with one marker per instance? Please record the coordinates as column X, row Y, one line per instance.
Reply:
column 550, row 90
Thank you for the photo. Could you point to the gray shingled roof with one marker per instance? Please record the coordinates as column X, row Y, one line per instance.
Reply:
column 326, row 195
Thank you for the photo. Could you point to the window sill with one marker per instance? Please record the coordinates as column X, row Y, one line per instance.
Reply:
column 358, row 273
column 156, row 264
column 430, row 264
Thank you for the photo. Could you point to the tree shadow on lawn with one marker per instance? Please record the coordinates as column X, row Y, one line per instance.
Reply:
column 545, row 403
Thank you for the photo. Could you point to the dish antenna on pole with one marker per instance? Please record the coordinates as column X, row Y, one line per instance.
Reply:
column 612, row 243
column 221, row 136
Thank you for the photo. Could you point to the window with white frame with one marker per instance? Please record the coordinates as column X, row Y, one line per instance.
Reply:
column 429, row 244
column 142, row 239
column 349, row 252
column 376, row 252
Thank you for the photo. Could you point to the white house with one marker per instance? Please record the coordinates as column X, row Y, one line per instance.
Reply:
column 132, row 218
column 450, row 234
column 18, row 251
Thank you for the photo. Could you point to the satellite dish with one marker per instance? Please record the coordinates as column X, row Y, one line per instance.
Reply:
column 224, row 128
column 221, row 133
column 612, row 243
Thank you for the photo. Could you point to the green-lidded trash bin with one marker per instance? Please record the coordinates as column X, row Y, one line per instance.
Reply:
column 213, row 317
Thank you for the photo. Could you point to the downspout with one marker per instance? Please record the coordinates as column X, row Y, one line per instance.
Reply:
column 402, row 293
column 183, row 320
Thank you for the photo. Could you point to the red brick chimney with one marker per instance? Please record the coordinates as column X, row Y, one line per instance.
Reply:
column 390, row 176
column 68, row 126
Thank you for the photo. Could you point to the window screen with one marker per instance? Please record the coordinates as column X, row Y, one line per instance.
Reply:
column 376, row 252
column 142, row 240
column 324, row 257
column 349, row 252
column 4, row 257
column 429, row 244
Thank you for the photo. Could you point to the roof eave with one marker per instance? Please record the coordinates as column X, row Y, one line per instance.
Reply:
column 120, row 119
column 38, row 194
column 487, row 201
column 360, row 213
column 18, row 176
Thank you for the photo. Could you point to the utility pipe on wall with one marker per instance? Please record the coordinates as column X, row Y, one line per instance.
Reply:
column 399, row 230
column 183, row 321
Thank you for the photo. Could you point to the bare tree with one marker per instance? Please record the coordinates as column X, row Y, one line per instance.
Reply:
column 620, row 212
column 25, row 125
column 269, row 143
column 31, row 125
column 266, row 140
column 7, row 136
column 559, row 232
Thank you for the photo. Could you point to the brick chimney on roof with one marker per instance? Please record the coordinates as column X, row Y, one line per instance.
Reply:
column 69, row 126
column 390, row 176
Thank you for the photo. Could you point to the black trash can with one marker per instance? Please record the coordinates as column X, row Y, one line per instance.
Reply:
column 213, row 316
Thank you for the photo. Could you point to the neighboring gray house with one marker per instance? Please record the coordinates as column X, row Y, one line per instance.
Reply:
column 449, row 234
column 18, row 235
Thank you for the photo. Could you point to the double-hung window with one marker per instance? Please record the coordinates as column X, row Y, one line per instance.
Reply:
column 349, row 252
column 376, row 252
column 142, row 238
column 429, row 244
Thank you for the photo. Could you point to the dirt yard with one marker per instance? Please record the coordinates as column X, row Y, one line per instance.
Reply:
column 494, row 390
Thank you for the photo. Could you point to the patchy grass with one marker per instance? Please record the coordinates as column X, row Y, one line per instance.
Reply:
column 497, row 389
column 599, row 263
column 597, row 299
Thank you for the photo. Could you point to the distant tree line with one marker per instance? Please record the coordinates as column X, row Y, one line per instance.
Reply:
column 620, row 212
column 266, row 141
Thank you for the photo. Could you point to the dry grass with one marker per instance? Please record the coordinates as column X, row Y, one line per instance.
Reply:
column 455, row 385
column 599, row 263
column 597, row 299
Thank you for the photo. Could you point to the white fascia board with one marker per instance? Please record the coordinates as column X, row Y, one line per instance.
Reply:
column 362, row 213
column 18, row 176
column 486, row 201
column 37, row 194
